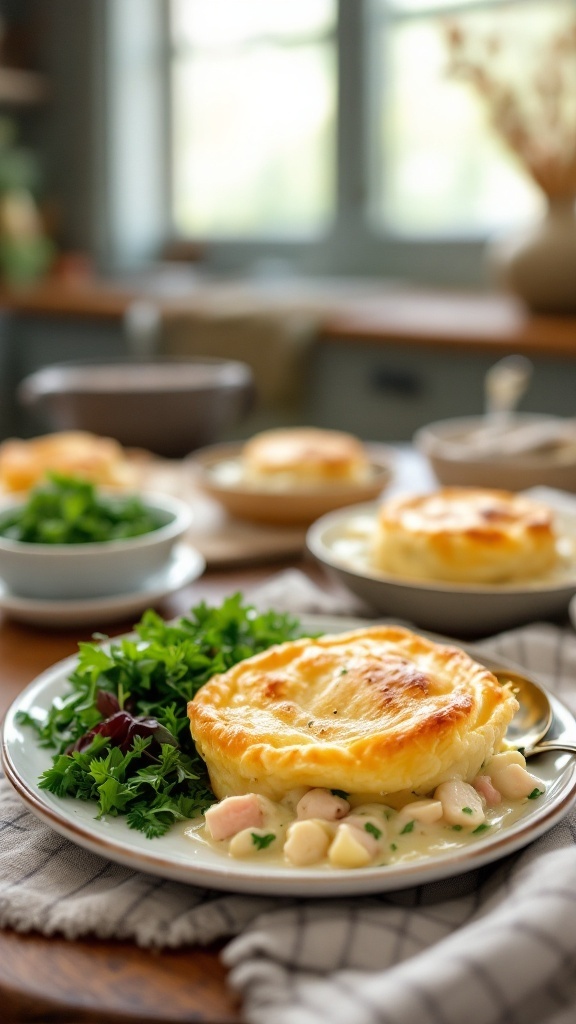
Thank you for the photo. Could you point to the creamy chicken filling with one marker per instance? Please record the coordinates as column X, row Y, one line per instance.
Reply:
column 324, row 827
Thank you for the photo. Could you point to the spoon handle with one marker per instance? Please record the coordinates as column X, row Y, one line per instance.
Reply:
column 542, row 748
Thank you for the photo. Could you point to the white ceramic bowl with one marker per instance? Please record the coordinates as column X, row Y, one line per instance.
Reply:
column 455, row 462
column 341, row 541
column 98, row 569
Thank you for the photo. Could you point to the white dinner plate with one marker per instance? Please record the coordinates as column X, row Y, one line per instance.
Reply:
column 342, row 541
column 186, row 565
column 176, row 856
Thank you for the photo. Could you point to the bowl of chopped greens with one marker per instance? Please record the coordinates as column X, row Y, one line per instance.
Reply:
column 69, row 539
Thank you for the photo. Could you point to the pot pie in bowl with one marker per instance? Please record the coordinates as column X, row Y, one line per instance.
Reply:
column 291, row 476
column 465, row 535
column 378, row 710
column 490, row 561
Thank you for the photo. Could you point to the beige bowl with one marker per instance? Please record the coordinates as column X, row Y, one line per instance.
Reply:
column 217, row 470
column 456, row 461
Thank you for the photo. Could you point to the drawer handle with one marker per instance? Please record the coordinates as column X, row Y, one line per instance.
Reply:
column 402, row 383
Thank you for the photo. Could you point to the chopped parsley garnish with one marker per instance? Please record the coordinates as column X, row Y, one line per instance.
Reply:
column 456, row 828
column 121, row 733
column 480, row 828
column 467, row 810
column 339, row 792
column 535, row 794
column 393, row 847
column 408, row 827
column 262, row 842
column 376, row 832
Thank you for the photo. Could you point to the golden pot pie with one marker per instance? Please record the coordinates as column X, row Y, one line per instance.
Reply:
column 304, row 455
column 375, row 711
column 465, row 535
column 24, row 463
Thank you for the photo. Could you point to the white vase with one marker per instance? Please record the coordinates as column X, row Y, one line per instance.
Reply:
column 539, row 264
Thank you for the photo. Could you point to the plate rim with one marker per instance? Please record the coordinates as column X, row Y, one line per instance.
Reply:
column 298, row 882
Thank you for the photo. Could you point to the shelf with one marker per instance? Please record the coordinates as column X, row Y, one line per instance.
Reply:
column 22, row 88
column 431, row 319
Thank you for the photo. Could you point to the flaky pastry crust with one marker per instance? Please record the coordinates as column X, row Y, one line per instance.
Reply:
column 377, row 710
column 24, row 463
column 304, row 455
column 465, row 535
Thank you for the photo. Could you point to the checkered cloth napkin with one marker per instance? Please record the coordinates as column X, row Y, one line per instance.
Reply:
column 494, row 946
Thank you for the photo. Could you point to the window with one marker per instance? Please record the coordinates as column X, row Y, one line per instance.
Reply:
column 442, row 168
column 327, row 133
column 253, row 86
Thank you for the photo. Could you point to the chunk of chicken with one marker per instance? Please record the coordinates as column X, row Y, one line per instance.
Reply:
column 461, row 804
column 250, row 841
column 485, row 787
column 321, row 803
column 373, row 831
column 514, row 782
column 307, row 842
column 425, row 811
column 233, row 814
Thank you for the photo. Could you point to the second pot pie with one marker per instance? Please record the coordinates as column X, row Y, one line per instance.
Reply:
column 304, row 456
column 377, row 710
column 465, row 535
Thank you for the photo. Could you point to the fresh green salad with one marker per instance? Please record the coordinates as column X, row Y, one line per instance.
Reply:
column 69, row 510
column 121, row 733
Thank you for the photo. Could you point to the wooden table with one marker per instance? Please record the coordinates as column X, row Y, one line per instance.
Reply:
column 52, row 979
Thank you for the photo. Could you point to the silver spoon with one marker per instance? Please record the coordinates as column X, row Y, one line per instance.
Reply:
column 534, row 718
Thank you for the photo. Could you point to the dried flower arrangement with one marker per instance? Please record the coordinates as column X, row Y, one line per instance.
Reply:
column 535, row 117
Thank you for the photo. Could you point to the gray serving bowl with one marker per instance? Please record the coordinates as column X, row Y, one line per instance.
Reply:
column 95, row 569
column 167, row 406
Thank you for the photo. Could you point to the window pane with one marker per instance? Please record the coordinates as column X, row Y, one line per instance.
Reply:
column 222, row 22
column 253, row 120
column 442, row 165
column 424, row 5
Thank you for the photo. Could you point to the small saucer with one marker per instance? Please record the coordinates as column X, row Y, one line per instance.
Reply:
column 186, row 565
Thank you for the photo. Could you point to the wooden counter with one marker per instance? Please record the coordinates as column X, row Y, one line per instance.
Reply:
column 485, row 323
column 369, row 313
